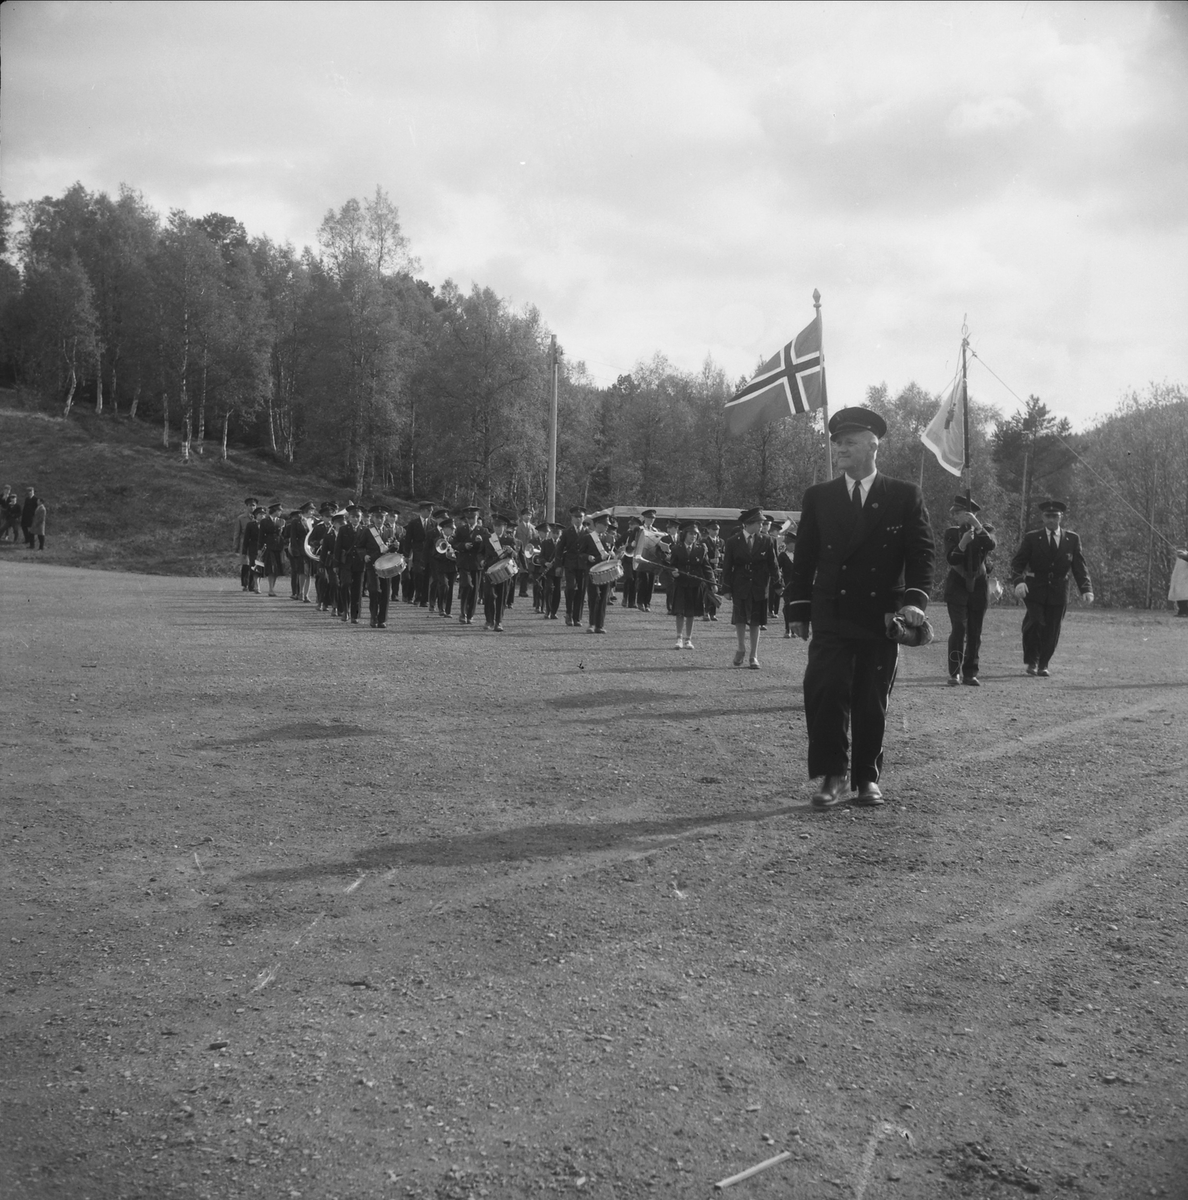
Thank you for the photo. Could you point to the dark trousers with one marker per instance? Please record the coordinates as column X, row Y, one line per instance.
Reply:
column 598, row 594
column 441, row 591
column 1041, row 632
column 296, row 567
column 847, row 684
column 350, row 591
column 408, row 585
column 552, row 593
column 966, row 614
column 468, row 588
column 494, row 595
column 645, row 581
column 27, row 530
column 379, row 593
column 628, row 584
column 575, row 595
column 421, row 576
column 245, row 573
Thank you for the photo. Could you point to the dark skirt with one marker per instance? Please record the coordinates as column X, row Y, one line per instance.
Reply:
column 274, row 563
column 688, row 597
column 748, row 611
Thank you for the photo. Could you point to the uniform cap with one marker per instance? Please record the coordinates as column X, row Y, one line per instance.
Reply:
column 601, row 519
column 847, row 420
column 1053, row 506
column 577, row 511
column 647, row 512
column 748, row 515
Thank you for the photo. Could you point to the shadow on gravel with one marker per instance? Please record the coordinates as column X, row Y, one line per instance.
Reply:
column 511, row 845
column 301, row 732
column 615, row 696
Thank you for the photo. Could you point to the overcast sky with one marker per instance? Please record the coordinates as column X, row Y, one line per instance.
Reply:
column 678, row 178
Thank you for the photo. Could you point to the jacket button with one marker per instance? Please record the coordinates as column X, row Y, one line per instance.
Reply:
column 843, row 591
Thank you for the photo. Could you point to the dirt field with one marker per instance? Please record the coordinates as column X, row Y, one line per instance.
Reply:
column 294, row 909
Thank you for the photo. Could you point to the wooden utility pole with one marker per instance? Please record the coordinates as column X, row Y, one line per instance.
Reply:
column 551, row 498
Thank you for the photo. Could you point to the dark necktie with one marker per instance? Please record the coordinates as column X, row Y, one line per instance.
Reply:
column 1052, row 543
column 856, row 499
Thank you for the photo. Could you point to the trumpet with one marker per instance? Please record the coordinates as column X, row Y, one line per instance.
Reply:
column 444, row 547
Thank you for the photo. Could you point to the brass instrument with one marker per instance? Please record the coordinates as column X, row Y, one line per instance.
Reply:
column 444, row 547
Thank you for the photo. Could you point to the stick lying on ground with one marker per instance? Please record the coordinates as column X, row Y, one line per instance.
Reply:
column 770, row 1162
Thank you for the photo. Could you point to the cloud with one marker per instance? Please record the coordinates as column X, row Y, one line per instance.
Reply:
column 674, row 185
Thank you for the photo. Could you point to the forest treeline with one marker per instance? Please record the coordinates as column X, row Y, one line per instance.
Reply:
column 342, row 360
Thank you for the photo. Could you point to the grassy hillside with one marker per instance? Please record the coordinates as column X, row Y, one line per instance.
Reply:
column 118, row 500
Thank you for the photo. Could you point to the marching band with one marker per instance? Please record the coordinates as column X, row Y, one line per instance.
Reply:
column 343, row 554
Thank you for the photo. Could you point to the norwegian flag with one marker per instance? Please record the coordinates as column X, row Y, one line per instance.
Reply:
column 791, row 382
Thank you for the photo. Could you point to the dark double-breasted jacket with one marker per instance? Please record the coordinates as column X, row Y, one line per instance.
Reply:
column 747, row 572
column 849, row 571
column 1046, row 574
column 967, row 568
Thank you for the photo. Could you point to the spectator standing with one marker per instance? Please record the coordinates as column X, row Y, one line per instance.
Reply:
column 27, row 510
column 37, row 529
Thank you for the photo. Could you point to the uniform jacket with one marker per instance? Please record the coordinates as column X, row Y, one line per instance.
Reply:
column 692, row 563
column 848, row 572
column 27, row 510
column 747, row 571
column 1046, row 574
column 415, row 548
column 371, row 542
column 272, row 535
column 967, row 568
column 469, row 545
column 241, row 523
column 569, row 553
column 592, row 549
column 348, row 548
column 251, row 541
column 495, row 548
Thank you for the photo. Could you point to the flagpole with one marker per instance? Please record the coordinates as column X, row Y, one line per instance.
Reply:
column 965, row 408
column 824, row 390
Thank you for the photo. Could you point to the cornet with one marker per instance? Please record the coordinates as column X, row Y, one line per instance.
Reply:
column 444, row 547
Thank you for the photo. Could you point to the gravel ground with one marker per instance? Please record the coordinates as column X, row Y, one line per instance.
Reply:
column 294, row 909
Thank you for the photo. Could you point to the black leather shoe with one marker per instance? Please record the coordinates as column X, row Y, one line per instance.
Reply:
column 972, row 681
column 832, row 792
column 1031, row 669
column 953, row 681
column 869, row 795
column 1042, row 672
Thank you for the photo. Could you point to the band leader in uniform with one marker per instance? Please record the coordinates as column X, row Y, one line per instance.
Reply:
column 1040, row 571
column 864, row 553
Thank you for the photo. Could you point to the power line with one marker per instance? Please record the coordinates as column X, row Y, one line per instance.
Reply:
column 1157, row 532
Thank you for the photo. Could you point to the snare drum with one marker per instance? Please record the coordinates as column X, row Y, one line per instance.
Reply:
column 388, row 565
column 502, row 571
column 606, row 571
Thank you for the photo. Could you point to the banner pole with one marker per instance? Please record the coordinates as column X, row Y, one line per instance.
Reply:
column 824, row 391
